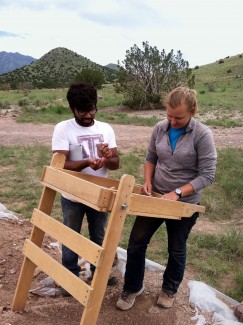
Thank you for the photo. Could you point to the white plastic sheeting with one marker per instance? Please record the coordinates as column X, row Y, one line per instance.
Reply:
column 205, row 300
column 6, row 214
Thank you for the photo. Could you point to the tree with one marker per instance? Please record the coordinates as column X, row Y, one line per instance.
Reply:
column 92, row 77
column 6, row 87
column 147, row 74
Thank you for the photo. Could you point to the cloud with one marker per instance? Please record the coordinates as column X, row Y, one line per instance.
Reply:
column 121, row 14
column 7, row 34
column 103, row 31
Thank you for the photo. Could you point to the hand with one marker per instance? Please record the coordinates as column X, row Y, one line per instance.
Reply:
column 147, row 189
column 170, row 196
column 96, row 164
column 104, row 151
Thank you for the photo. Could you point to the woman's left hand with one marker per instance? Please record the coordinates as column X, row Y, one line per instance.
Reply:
column 170, row 196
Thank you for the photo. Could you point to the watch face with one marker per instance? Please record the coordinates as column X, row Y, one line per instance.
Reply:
column 178, row 191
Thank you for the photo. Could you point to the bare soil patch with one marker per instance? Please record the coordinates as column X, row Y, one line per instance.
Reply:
column 66, row 311
column 128, row 136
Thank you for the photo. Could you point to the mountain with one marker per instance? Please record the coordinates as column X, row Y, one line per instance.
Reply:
column 11, row 61
column 112, row 66
column 56, row 69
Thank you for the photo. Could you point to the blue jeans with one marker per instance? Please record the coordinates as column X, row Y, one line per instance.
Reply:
column 73, row 214
column 142, row 231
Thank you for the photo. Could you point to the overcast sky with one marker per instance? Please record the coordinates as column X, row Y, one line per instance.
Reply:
column 203, row 30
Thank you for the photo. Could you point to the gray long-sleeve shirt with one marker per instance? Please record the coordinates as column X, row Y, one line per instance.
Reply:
column 192, row 161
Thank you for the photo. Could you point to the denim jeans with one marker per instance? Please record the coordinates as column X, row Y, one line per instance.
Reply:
column 142, row 231
column 73, row 214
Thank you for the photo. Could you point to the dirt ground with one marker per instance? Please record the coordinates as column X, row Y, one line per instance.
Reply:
column 128, row 136
column 65, row 311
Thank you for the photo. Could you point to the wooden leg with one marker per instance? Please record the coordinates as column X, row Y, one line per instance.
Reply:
column 37, row 235
column 110, row 243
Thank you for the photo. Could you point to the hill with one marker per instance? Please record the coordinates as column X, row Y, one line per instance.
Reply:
column 113, row 66
column 56, row 69
column 10, row 61
column 219, row 86
column 223, row 70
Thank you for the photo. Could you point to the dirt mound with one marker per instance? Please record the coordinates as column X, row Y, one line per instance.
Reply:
column 48, row 310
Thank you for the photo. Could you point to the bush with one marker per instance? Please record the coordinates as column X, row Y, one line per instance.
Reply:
column 211, row 87
column 23, row 102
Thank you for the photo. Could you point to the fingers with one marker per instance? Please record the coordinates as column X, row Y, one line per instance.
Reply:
column 97, row 164
column 170, row 196
column 146, row 190
column 104, row 151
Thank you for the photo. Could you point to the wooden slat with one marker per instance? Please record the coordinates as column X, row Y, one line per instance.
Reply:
column 109, row 183
column 76, row 242
column 110, row 243
column 101, row 181
column 154, row 207
column 76, row 188
column 138, row 190
column 23, row 285
column 66, row 279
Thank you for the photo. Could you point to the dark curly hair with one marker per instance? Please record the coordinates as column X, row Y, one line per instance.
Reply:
column 81, row 96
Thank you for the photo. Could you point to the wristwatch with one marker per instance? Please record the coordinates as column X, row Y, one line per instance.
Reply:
column 178, row 192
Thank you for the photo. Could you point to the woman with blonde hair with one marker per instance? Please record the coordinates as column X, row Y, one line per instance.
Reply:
column 180, row 163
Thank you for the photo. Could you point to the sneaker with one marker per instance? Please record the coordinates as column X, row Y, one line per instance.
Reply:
column 65, row 293
column 127, row 299
column 112, row 281
column 165, row 299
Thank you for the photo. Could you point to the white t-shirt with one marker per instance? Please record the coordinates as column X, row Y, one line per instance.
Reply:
column 68, row 133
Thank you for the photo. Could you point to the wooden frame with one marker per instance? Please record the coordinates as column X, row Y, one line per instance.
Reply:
column 119, row 198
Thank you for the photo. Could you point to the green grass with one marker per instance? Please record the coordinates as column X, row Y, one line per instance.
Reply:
column 124, row 118
column 55, row 114
column 217, row 258
column 225, row 122
column 225, row 196
column 214, row 258
column 20, row 176
column 39, row 98
column 109, row 97
column 45, row 115
column 219, row 91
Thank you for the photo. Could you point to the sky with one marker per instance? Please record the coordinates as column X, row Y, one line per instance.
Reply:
column 102, row 31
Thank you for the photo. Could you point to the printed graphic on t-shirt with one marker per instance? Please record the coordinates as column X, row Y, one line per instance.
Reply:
column 89, row 145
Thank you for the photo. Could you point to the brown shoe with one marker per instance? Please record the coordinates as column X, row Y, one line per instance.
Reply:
column 165, row 300
column 127, row 299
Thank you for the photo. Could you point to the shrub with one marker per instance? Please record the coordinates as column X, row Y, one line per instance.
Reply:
column 211, row 87
column 23, row 101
